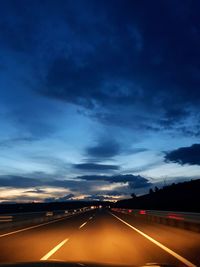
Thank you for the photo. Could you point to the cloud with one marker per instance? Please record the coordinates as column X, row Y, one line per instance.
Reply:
column 101, row 198
column 19, row 181
column 172, row 115
column 67, row 197
column 38, row 185
column 118, row 67
column 116, row 88
column 137, row 150
column 108, row 148
column 126, row 87
column 36, row 190
column 60, row 166
column 6, row 143
column 95, row 167
column 60, row 199
column 185, row 155
column 21, row 188
column 104, row 149
column 134, row 181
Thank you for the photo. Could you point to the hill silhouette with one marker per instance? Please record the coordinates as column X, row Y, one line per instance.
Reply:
column 183, row 196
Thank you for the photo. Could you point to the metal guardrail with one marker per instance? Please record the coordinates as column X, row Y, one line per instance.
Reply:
column 173, row 215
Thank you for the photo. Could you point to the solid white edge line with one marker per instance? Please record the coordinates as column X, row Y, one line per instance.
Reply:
column 37, row 225
column 174, row 254
column 51, row 252
column 82, row 225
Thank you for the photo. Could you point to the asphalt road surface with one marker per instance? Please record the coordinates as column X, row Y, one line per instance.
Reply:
column 104, row 237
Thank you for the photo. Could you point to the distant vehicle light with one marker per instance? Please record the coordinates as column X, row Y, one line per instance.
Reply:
column 129, row 211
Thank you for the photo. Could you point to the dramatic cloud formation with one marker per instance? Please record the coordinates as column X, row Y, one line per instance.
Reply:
column 136, row 181
column 112, row 187
column 104, row 149
column 19, row 182
column 97, row 89
column 110, row 85
column 61, row 199
column 95, row 167
column 185, row 155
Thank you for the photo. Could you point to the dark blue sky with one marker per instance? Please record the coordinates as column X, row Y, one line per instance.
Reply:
column 98, row 99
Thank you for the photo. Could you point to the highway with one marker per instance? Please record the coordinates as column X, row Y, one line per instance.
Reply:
column 101, row 236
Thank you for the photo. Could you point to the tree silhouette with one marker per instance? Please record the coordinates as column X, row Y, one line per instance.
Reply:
column 151, row 191
column 156, row 189
column 133, row 195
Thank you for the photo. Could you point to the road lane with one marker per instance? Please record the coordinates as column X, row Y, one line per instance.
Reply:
column 94, row 236
column 51, row 252
column 171, row 252
column 12, row 231
column 33, row 244
column 184, row 242
column 106, row 240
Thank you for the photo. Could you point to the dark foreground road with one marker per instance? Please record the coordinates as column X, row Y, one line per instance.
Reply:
column 104, row 237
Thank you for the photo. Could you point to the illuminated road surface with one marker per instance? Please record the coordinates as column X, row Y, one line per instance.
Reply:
column 98, row 236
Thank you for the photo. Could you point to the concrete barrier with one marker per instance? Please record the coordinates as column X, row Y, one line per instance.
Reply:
column 185, row 220
column 10, row 221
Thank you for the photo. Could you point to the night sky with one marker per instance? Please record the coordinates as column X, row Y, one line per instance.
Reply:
column 98, row 99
